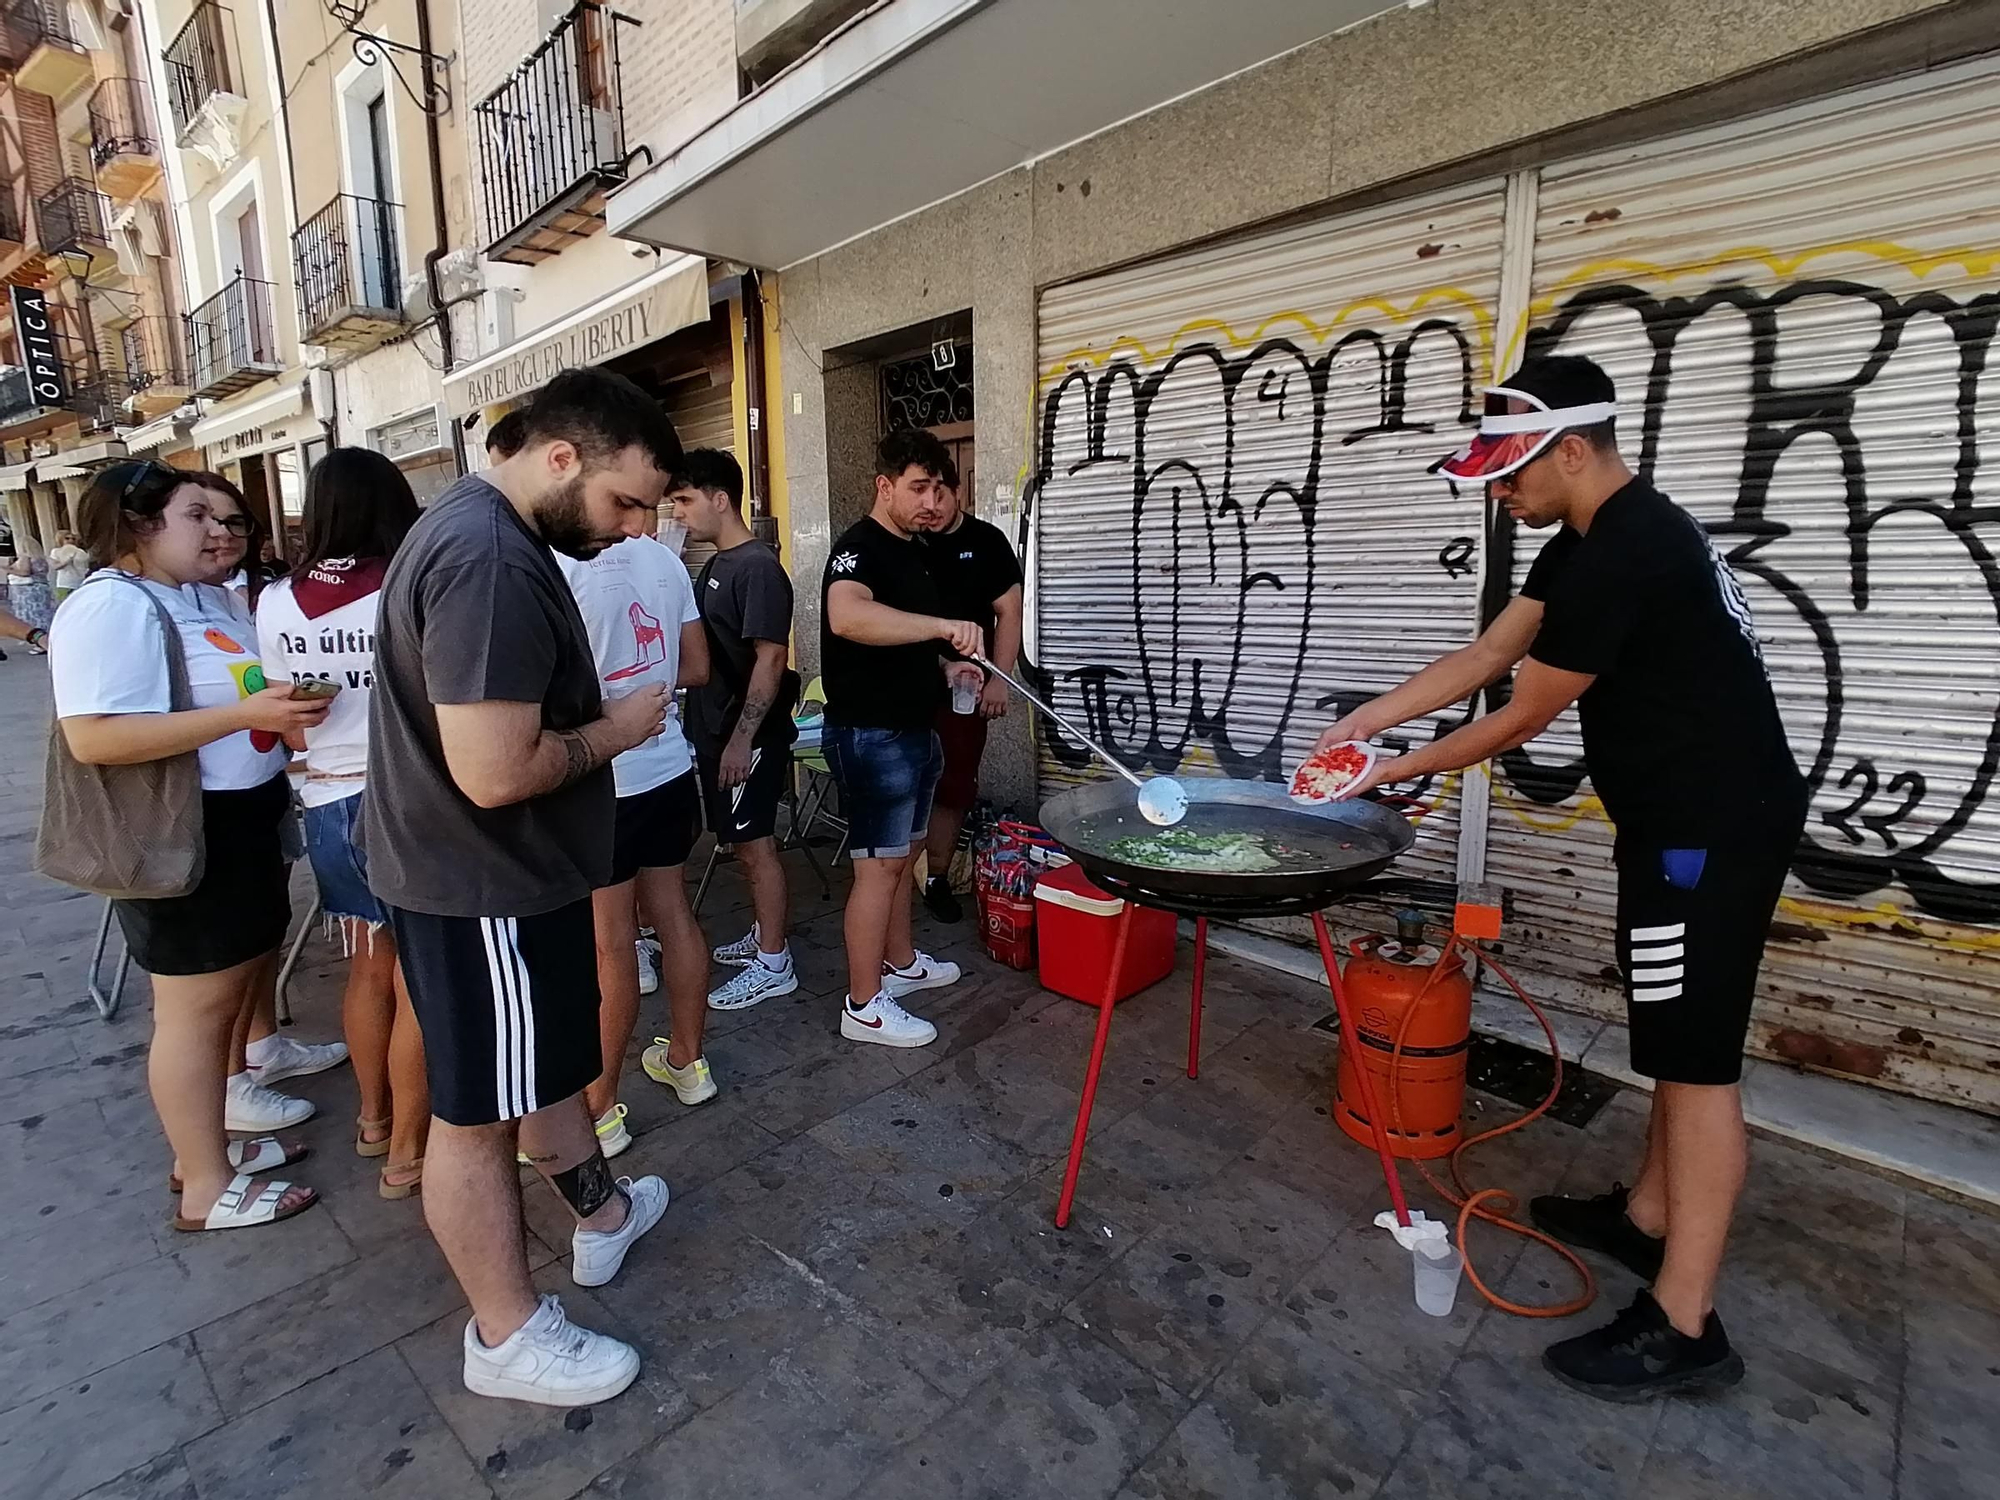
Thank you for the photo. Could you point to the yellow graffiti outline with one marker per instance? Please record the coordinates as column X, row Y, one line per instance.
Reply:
column 1064, row 367
column 1820, row 914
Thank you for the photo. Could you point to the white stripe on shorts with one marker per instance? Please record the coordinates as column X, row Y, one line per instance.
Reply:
column 1662, row 992
column 1658, row 976
column 1670, row 934
column 503, row 1047
column 1663, row 953
column 525, row 995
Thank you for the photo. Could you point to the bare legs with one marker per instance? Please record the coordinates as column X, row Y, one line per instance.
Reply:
column 617, row 927
column 876, row 924
column 387, row 1049
column 662, row 893
column 683, row 959
column 1697, row 1154
column 770, row 898
column 941, row 839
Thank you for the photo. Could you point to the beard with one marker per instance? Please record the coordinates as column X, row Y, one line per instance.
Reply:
column 565, row 525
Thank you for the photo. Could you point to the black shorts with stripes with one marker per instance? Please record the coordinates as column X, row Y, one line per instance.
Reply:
column 1692, row 925
column 507, row 1007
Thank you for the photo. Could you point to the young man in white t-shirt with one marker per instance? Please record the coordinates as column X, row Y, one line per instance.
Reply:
column 638, row 607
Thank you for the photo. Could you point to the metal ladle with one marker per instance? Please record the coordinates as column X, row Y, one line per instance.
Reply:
column 1163, row 801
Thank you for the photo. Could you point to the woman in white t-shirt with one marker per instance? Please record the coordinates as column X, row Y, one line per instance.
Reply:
column 318, row 624
column 71, row 564
column 162, row 538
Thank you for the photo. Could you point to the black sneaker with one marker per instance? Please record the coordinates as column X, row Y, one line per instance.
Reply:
column 1601, row 1223
column 941, row 901
column 1639, row 1355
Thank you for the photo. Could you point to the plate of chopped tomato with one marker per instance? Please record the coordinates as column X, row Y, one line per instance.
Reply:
column 1325, row 774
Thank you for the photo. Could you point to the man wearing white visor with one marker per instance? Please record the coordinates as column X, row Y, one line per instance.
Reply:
column 1629, row 613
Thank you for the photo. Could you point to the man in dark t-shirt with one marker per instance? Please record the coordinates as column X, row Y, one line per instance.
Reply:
column 977, row 579
column 1630, row 614
column 740, row 720
column 486, row 824
column 881, row 633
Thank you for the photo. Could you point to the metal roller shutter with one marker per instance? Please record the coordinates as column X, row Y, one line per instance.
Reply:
column 1235, row 532
column 704, row 417
column 1804, row 305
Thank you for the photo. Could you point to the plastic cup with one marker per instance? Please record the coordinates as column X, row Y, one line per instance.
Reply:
column 1436, row 1266
column 964, row 693
column 673, row 535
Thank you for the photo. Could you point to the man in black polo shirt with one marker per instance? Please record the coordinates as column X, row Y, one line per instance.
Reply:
column 1631, row 614
column 978, row 579
column 880, row 636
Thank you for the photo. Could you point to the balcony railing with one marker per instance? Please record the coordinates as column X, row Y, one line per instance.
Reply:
column 552, row 138
column 155, row 349
column 232, row 339
column 345, row 256
column 198, row 64
column 73, row 217
column 28, row 24
column 120, row 122
column 17, row 397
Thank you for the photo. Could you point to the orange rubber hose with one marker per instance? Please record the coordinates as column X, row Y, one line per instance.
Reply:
column 1467, row 1200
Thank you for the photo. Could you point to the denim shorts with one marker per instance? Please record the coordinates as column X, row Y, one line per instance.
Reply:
column 887, row 778
column 338, row 863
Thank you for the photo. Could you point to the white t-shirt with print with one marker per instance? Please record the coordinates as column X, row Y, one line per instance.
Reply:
column 320, row 622
column 106, row 656
column 634, row 598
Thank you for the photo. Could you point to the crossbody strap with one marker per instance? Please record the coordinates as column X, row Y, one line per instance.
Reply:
column 180, row 696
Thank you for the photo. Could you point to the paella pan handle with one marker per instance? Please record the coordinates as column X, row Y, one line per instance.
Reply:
column 1102, row 754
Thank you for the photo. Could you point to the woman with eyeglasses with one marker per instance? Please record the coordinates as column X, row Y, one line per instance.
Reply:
column 158, row 531
column 317, row 625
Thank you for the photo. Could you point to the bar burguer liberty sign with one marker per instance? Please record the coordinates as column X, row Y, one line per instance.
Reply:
column 651, row 311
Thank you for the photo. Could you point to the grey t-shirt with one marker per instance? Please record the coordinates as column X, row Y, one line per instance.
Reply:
column 474, row 610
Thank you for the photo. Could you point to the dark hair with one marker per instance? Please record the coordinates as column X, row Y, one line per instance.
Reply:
column 1571, row 380
column 948, row 476
column 711, row 469
column 503, row 438
column 912, row 446
column 124, row 502
column 601, row 414
column 358, row 504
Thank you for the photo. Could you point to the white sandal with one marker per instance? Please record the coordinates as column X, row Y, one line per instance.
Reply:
column 251, row 1158
column 245, row 1204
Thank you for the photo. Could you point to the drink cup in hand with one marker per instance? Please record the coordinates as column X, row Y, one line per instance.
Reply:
column 964, row 693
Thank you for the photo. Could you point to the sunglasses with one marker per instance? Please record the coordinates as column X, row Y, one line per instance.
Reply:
column 152, row 471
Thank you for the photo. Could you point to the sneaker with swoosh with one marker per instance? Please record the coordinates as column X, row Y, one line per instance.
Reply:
column 885, row 1023
column 1640, row 1354
column 693, row 1084
column 550, row 1361
column 596, row 1256
column 924, row 973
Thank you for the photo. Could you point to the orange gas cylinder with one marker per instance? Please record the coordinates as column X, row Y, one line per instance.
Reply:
column 1384, row 978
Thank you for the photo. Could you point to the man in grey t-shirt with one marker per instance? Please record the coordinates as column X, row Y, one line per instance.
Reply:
column 486, row 824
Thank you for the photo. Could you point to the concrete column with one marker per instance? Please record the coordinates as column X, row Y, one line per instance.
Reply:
column 72, row 501
column 20, row 519
column 45, row 516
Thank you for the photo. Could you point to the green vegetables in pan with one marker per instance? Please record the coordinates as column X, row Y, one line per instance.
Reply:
column 1184, row 849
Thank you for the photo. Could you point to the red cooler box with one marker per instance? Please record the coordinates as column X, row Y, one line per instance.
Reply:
column 1076, row 930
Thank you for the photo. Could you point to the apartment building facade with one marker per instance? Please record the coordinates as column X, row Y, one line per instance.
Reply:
column 91, row 350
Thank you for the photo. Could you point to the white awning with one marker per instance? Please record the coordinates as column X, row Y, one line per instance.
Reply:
column 49, row 470
column 666, row 299
column 150, row 436
column 15, row 476
column 276, row 407
column 917, row 100
column 91, row 455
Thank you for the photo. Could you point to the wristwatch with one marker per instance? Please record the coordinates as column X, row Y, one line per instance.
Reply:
column 38, row 638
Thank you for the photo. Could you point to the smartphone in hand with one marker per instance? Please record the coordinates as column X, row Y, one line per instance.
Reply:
column 314, row 687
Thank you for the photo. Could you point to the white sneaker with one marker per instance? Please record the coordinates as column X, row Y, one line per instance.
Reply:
column 924, row 973
column 883, row 1021
column 649, row 966
column 550, row 1361
column 693, row 1084
column 613, row 1139
column 595, row 1258
column 285, row 1058
column 744, row 950
column 248, row 1105
column 755, row 981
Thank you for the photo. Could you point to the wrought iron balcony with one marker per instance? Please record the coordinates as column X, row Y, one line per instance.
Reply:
column 232, row 339
column 155, row 350
column 38, row 47
column 198, row 64
column 349, row 276
column 552, row 139
column 76, row 216
column 123, row 146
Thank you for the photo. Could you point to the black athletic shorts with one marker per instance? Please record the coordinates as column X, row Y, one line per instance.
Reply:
column 507, row 1007
column 655, row 830
column 1692, row 925
column 748, row 810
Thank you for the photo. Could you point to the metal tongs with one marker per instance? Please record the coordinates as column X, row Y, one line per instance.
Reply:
column 1162, row 800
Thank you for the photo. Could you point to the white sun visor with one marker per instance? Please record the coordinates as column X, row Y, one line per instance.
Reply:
column 1508, row 440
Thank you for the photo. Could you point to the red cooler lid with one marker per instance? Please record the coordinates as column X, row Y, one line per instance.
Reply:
column 1069, row 886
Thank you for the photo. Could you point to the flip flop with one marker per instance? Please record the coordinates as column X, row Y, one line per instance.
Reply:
column 395, row 1192
column 245, row 1204
column 264, row 1154
column 365, row 1147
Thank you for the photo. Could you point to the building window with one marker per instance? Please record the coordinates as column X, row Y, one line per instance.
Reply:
column 924, row 392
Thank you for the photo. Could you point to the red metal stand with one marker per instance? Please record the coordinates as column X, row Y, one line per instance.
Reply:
column 1104, row 1009
column 1349, row 1037
column 1194, row 1009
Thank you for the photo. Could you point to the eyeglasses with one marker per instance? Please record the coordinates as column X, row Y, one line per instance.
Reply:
column 238, row 525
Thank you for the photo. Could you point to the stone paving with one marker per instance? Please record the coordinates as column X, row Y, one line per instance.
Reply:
column 858, row 1290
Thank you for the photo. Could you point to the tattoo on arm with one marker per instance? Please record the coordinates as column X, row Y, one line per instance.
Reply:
column 579, row 759
column 755, row 705
column 587, row 1186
